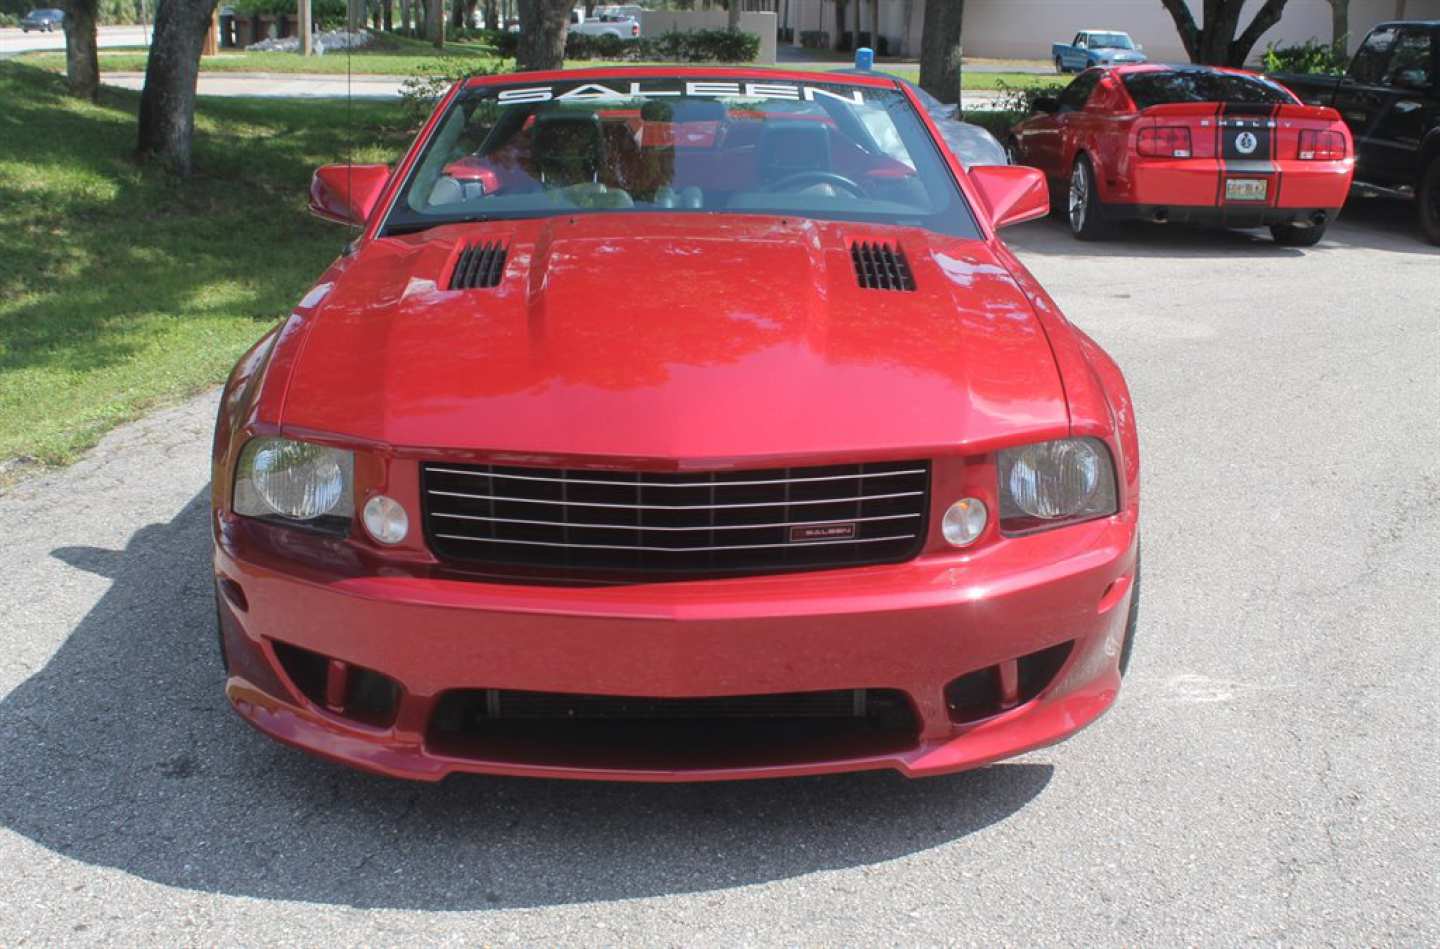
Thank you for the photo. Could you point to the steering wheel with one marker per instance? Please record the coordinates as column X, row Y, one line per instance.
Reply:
column 816, row 177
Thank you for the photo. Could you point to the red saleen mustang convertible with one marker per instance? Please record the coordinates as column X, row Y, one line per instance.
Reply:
column 674, row 425
column 1189, row 144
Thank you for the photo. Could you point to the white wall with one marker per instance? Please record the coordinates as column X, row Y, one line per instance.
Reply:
column 656, row 22
column 1024, row 29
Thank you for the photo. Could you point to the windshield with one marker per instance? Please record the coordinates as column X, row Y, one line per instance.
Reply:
column 1158, row 88
column 825, row 150
column 1110, row 41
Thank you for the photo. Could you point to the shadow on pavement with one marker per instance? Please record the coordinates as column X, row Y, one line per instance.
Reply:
column 122, row 753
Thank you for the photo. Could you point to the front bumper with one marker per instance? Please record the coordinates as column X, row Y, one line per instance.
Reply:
column 911, row 627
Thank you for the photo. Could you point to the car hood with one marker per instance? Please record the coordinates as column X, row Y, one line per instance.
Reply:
column 655, row 336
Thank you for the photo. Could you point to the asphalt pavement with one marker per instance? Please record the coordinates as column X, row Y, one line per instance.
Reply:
column 1271, row 773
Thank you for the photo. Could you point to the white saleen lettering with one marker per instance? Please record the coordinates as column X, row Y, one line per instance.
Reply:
column 699, row 89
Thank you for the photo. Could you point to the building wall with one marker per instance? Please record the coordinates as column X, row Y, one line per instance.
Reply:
column 1024, row 29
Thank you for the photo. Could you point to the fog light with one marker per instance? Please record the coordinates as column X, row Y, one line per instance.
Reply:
column 964, row 522
column 386, row 520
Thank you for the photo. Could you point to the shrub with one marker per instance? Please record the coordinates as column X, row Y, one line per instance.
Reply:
column 502, row 42
column 696, row 46
column 419, row 92
column 1022, row 98
column 9, row 19
column 998, row 123
column 1311, row 56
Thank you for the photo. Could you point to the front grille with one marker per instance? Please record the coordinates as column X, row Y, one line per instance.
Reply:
column 578, row 521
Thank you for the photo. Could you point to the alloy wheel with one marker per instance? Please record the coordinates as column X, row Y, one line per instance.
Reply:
column 1079, row 197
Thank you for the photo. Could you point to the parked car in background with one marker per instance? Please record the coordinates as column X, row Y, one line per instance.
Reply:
column 1095, row 48
column 631, row 10
column 1196, row 144
column 1390, row 98
column 617, row 25
column 972, row 144
column 667, row 424
column 45, row 21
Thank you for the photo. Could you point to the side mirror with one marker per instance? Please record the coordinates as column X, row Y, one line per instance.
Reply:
column 347, row 194
column 1045, row 104
column 1012, row 193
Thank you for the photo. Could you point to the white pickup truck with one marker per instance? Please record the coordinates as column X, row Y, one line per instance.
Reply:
column 621, row 25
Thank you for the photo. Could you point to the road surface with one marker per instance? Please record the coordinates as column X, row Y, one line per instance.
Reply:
column 1269, row 775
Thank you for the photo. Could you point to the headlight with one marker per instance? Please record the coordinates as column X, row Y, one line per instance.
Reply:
column 1053, row 483
column 296, row 481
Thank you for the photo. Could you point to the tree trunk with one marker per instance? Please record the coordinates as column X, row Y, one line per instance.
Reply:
column 407, row 17
column 167, row 103
column 940, row 49
column 732, row 15
column 457, row 14
column 387, row 15
column 907, row 20
column 1215, row 43
column 435, row 22
column 543, row 25
column 492, row 15
column 82, row 63
column 875, row 26
column 1340, row 27
column 840, row 21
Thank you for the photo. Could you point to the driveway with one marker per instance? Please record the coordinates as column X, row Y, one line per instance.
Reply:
column 1269, row 775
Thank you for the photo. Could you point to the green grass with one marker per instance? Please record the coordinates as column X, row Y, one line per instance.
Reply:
column 398, row 56
column 122, row 288
column 411, row 56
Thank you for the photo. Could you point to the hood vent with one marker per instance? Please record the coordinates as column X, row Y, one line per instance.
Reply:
column 479, row 266
column 881, row 266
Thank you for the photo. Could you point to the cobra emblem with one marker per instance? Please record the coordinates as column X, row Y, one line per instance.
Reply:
column 1246, row 142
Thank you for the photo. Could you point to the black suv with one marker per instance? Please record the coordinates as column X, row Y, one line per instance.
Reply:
column 1390, row 98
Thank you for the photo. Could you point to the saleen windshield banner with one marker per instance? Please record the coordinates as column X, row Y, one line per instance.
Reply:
column 667, row 88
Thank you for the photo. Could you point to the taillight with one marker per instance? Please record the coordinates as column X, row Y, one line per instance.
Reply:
column 1164, row 141
column 1321, row 146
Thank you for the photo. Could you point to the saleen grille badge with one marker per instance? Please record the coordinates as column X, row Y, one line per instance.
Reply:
column 810, row 533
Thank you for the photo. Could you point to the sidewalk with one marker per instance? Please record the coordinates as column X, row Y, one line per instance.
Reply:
column 259, row 85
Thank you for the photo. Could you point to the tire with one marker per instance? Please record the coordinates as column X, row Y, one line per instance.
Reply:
column 1012, row 151
column 1291, row 235
column 1059, row 65
column 1132, row 620
column 1427, row 197
column 1085, row 212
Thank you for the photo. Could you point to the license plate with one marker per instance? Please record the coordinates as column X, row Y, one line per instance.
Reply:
column 1245, row 189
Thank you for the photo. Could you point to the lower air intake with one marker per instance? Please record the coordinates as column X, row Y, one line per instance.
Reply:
column 670, row 733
